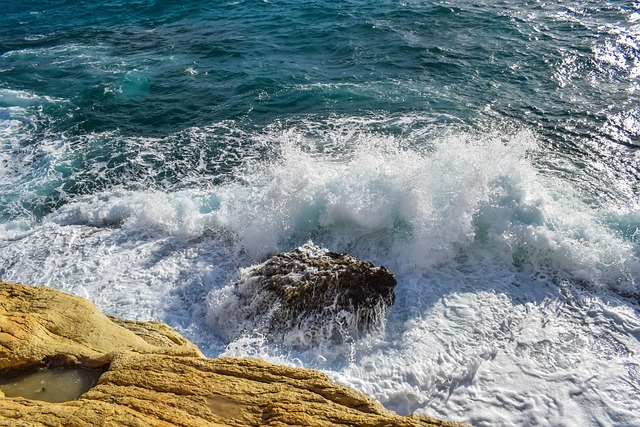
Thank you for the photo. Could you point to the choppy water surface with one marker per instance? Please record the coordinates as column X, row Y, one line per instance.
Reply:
column 485, row 152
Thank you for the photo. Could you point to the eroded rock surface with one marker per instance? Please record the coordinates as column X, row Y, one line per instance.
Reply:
column 156, row 390
column 306, row 296
column 154, row 377
column 42, row 326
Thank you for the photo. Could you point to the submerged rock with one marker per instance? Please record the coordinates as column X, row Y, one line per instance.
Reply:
column 305, row 296
column 154, row 377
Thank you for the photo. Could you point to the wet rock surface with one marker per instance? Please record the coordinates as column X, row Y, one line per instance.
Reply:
column 306, row 296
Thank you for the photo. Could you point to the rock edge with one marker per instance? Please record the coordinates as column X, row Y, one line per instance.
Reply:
column 155, row 377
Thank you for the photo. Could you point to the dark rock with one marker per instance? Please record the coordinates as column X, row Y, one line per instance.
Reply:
column 305, row 296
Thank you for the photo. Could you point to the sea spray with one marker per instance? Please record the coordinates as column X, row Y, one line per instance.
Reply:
column 412, row 209
column 480, row 311
column 304, row 298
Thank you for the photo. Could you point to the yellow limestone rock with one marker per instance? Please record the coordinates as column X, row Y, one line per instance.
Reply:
column 39, row 325
column 155, row 377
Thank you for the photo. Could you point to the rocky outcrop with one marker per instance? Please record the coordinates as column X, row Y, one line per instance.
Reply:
column 41, row 326
column 154, row 377
column 154, row 390
column 305, row 296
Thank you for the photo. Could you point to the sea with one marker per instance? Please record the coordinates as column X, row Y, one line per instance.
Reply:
column 486, row 152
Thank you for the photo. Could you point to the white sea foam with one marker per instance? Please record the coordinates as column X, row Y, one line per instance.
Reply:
column 22, row 98
column 415, row 210
column 11, row 128
column 505, row 312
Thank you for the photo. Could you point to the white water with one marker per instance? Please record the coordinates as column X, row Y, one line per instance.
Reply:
column 509, row 307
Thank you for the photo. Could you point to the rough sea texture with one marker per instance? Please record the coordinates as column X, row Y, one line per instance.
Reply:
column 487, row 153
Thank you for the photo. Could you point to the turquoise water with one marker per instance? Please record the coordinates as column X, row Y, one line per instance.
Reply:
column 486, row 152
column 153, row 69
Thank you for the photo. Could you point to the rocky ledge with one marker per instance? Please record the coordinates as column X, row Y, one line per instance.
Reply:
column 152, row 376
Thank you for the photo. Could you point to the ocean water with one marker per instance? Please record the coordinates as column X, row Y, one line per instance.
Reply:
column 486, row 152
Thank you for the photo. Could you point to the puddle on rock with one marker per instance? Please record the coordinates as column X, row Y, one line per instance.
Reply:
column 51, row 385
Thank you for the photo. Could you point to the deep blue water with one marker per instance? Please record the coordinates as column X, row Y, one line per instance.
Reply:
column 150, row 68
column 150, row 149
